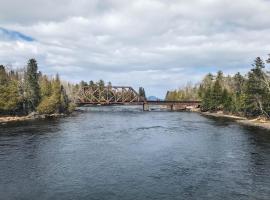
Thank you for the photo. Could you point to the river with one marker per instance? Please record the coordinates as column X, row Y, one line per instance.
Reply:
column 117, row 153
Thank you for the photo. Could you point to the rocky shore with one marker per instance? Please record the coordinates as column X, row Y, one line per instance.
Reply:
column 36, row 116
column 32, row 116
column 256, row 122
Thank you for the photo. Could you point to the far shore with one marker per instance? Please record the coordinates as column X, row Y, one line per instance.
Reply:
column 255, row 122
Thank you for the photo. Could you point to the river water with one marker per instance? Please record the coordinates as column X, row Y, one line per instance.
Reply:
column 117, row 153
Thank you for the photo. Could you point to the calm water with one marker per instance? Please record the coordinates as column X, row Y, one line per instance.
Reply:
column 118, row 153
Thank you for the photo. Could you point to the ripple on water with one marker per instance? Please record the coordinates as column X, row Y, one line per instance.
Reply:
column 124, row 153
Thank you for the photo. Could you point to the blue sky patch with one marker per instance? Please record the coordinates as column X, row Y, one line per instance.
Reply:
column 14, row 35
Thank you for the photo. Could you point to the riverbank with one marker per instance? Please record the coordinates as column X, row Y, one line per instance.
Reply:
column 6, row 119
column 35, row 116
column 255, row 122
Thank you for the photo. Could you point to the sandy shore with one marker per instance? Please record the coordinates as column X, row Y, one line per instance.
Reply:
column 257, row 122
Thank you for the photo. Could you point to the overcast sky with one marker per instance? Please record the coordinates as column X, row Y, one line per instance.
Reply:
column 157, row 44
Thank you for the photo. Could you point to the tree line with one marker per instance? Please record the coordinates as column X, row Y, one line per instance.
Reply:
column 28, row 90
column 245, row 95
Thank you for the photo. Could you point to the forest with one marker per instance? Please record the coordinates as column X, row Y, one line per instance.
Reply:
column 27, row 90
column 244, row 95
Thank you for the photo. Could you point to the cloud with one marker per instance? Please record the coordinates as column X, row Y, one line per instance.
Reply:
column 6, row 34
column 152, row 43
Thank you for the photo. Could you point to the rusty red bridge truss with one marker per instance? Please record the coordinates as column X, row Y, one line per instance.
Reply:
column 123, row 95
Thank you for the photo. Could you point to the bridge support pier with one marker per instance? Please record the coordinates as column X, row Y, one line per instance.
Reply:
column 145, row 107
column 171, row 107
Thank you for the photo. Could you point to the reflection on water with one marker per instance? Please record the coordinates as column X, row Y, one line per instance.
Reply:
column 124, row 153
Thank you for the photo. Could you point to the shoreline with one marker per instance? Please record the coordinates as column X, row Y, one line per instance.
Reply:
column 255, row 122
column 35, row 116
column 7, row 119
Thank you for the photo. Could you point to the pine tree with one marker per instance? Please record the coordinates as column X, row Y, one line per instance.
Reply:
column 205, row 85
column 32, row 89
column 142, row 93
column 268, row 60
column 207, row 100
column 64, row 101
column 3, row 75
column 205, row 92
column 9, row 93
column 56, row 102
column 226, row 100
column 217, row 94
column 45, row 87
column 256, row 89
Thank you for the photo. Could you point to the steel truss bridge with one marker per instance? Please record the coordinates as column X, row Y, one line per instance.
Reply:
column 124, row 95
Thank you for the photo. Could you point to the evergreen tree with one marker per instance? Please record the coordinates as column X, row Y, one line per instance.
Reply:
column 9, row 94
column 64, row 101
column 56, row 103
column 32, row 89
column 3, row 75
column 83, row 84
column 205, row 92
column 207, row 100
column 268, row 60
column 256, row 89
column 45, row 87
column 217, row 92
column 206, row 85
column 142, row 93
column 238, row 93
column 101, row 84
column 92, row 84
column 56, row 93
column 226, row 100
column 238, row 83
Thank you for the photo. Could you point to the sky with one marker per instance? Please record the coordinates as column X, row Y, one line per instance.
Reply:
column 158, row 44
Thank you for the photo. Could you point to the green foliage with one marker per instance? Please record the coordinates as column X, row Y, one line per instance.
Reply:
column 3, row 75
column 9, row 98
column 71, row 107
column 55, row 100
column 142, row 92
column 257, row 90
column 9, row 93
column 188, row 92
column 45, row 87
column 32, row 89
column 47, row 106
column 217, row 93
column 207, row 102
column 246, row 96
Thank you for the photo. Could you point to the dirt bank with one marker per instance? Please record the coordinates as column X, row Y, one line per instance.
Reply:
column 256, row 122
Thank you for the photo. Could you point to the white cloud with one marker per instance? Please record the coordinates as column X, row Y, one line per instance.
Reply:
column 140, row 42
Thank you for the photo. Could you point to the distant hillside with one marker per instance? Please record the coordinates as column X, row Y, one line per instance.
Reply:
column 153, row 98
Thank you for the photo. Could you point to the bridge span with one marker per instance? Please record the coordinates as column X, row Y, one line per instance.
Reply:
column 125, row 95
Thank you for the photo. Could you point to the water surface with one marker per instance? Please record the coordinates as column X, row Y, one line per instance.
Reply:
column 119, row 153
